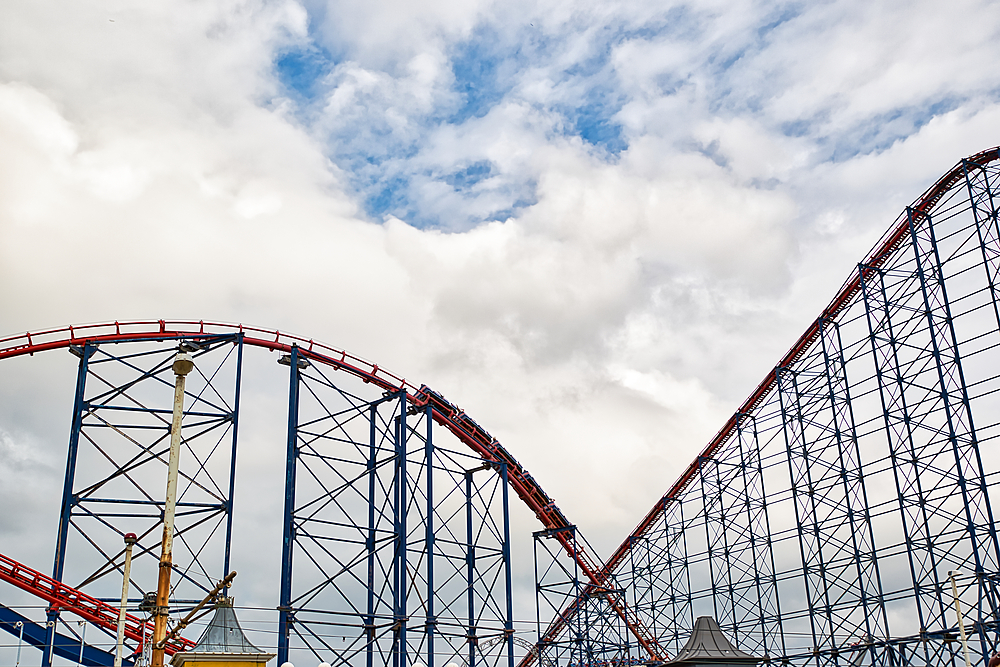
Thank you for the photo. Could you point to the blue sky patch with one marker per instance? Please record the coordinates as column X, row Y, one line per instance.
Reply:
column 301, row 70
column 463, row 179
column 880, row 132
column 483, row 73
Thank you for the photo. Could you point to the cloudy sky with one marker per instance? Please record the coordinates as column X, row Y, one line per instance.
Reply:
column 594, row 225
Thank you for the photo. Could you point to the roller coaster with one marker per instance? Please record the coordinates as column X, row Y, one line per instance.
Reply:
column 841, row 516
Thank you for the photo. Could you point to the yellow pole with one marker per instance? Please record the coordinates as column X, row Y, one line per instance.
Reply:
column 182, row 366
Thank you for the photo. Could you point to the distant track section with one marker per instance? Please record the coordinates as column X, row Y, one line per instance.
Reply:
column 65, row 598
column 444, row 412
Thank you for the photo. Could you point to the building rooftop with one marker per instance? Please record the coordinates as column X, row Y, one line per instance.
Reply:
column 708, row 644
column 224, row 634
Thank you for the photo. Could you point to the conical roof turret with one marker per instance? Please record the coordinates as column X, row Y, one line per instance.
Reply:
column 224, row 634
column 708, row 646
column 222, row 641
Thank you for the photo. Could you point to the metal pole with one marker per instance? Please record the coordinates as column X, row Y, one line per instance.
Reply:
column 285, row 615
column 182, row 366
column 51, row 626
column 431, row 593
column 20, row 638
column 370, row 542
column 401, row 537
column 83, row 634
column 130, row 540
column 68, row 501
column 508, row 584
column 232, row 460
column 470, row 569
column 961, row 623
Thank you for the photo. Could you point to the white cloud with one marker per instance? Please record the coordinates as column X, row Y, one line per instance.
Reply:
column 602, row 327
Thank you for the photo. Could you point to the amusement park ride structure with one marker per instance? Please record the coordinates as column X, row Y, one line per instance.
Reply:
column 819, row 526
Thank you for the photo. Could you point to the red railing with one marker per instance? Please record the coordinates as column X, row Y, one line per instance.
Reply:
column 65, row 598
column 444, row 412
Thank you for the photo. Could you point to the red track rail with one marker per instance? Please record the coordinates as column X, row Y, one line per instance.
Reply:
column 889, row 243
column 454, row 419
column 63, row 597
column 444, row 412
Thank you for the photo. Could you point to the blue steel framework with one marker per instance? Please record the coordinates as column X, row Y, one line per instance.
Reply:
column 400, row 544
column 593, row 633
column 820, row 527
column 429, row 515
column 116, row 466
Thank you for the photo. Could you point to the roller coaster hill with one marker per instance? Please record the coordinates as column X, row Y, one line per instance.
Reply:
column 842, row 515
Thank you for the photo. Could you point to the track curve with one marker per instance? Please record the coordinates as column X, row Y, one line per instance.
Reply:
column 444, row 412
column 447, row 414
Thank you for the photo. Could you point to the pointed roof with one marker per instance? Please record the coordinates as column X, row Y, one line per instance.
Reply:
column 223, row 641
column 224, row 634
column 707, row 644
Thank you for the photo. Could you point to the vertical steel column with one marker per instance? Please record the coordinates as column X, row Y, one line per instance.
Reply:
column 538, row 602
column 902, row 451
column 508, row 585
column 66, row 507
column 285, row 616
column 232, row 465
column 470, row 569
column 679, row 574
column 429, row 535
column 578, row 648
column 400, row 576
column 806, row 521
column 370, row 540
column 636, row 573
column 868, row 578
column 763, row 589
column 717, row 523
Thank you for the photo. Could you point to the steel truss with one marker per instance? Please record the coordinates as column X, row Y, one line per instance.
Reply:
column 116, row 463
column 401, row 544
column 590, row 632
column 395, row 537
column 821, row 525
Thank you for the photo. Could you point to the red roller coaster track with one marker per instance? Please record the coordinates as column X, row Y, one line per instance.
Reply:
column 886, row 246
column 445, row 413
column 449, row 416
column 62, row 597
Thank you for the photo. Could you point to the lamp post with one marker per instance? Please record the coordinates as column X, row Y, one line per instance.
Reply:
column 182, row 366
column 130, row 540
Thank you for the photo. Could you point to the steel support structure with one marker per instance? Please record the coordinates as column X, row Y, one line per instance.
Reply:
column 658, row 578
column 474, row 440
column 594, row 633
column 116, row 462
column 820, row 525
column 396, row 547
column 740, row 558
